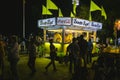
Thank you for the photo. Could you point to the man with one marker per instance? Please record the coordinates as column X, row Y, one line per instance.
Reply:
column 73, row 50
column 52, row 56
column 83, row 48
column 89, row 53
column 32, row 55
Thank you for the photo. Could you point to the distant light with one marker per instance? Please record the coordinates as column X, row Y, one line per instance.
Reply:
column 117, row 24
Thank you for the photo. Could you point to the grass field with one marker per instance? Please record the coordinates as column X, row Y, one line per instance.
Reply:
column 24, row 71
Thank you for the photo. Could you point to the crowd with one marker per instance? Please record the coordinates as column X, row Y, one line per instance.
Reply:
column 10, row 47
column 79, row 49
column 11, row 50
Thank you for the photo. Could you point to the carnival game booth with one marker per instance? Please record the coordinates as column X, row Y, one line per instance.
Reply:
column 63, row 29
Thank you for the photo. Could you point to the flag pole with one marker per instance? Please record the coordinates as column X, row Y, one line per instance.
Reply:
column 90, row 18
column 23, row 18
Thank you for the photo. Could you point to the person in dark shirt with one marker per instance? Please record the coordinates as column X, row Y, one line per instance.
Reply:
column 73, row 50
column 83, row 48
column 52, row 56
column 32, row 55
column 89, row 53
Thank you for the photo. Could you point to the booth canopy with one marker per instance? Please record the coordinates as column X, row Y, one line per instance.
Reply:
column 69, row 23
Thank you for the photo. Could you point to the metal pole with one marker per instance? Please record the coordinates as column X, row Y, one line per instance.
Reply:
column 23, row 18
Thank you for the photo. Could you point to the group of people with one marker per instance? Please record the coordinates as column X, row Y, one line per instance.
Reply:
column 76, row 51
column 79, row 50
column 10, row 50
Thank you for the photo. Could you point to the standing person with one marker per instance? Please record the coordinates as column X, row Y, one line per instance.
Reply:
column 89, row 53
column 73, row 50
column 23, row 45
column 32, row 55
column 83, row 48
column 2, row 56
column 13, row 56
column 52, row 56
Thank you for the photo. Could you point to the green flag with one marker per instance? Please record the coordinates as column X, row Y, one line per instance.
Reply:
column 51, row 5
column 45, row 11
column 74, row 7
column 72, row 15
column 94, row 7
column 60, row 13
column 103, row 13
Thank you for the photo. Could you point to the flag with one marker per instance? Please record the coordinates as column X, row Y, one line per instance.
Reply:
column 103, row 13
column 45, row 11
column 51, row 5
column 74, row 7
column 60, row 13
column 94, row 7
column 72, row 15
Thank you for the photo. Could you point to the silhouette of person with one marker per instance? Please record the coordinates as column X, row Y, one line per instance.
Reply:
column 83, row 48
column 89, row 53
column 32, row 55
column 73, row 50
column 52, row 56
column 2, row 56
column 13, row 55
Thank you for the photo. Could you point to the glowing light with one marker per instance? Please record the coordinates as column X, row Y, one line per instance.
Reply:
column 117, row 24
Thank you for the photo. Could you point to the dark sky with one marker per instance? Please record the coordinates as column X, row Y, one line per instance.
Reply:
column 12, row 13
column 11, row 17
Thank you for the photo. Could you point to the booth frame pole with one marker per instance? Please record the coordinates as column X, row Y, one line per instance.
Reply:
column 63, row 38
column 44, row 34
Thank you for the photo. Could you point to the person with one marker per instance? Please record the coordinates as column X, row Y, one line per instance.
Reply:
column 13, row 56
column 23, row 46
column 89, row 53
column 2, row 56
column 52, row 56
column 73, row 50
column 32, row 55
column 119, row 44
column 57, row 37
column 83, row 48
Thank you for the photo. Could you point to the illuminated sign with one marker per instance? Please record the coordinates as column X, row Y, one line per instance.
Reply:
column 46, row 22
column 64, row 21
column 81, row 22
column 86, row 23
column 96, row 25
column 73, row 23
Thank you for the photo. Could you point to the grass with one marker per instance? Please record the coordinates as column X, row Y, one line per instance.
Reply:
column 24, row 71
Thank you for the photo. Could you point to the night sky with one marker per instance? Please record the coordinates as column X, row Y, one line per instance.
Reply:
column 12, row 13
column 11, row 17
